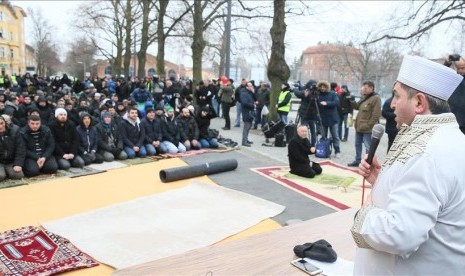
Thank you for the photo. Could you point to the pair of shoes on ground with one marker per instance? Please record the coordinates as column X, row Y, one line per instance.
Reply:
column 237, row 125
column 225, row 128
column 353, row 164
column 344, row 140
column 337, row 155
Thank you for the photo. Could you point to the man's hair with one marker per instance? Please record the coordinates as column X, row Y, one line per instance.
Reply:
column 132, row 108
column 33, row 118
column 369, row 83
column 436, row 105
column 333, row 85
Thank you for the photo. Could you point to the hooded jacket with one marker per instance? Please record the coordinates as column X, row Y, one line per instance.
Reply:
column 88, row 141
column 171, row 130
column 133, row 133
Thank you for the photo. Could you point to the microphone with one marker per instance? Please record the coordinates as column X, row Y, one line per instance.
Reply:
column 376, row 134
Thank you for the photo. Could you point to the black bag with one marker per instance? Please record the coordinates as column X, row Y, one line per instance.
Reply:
column 279, row 140
column 271, row 128
column 291, row 131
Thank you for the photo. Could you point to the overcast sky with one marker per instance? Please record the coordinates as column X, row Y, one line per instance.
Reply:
column 333, row 21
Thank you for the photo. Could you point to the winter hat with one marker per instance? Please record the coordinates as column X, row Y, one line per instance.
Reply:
column 287, row 85
column 149, row 109
column 105, row 114
column 59, row 111
column 205, row 108
column 158, row 107
column 191, row 108
column 428, row 77
column 320, row 250
column 168, row 108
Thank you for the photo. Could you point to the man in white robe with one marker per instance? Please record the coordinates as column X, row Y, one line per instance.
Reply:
column 413, row 223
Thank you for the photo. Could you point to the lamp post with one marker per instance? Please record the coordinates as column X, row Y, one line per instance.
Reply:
column 83, row 62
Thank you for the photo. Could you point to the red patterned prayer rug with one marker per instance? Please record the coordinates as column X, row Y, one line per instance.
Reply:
column 31, row 251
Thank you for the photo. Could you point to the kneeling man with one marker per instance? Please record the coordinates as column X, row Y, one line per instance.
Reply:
column 298, row 150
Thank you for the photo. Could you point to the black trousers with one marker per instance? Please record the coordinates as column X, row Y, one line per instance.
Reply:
column 225, row 107
column 307, row 171
column 32, row 169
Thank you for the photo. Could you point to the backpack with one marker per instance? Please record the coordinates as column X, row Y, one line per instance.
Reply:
column 323, row 148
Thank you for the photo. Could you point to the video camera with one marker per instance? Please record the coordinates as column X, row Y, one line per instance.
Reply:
column 311, row 87
column 454, row 57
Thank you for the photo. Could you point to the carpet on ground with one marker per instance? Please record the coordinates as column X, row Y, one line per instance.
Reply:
column 31, row 251
column 162, row 225
column 105, row 166
column 338, row 187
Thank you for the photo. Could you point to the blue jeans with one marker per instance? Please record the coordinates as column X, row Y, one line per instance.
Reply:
column 132, row 154
column 311, row 124
column 238, row 114
column 343, row 120
column 360, row 138
column 259, row 119
column 151, row 150
column 334, row 136
column 209, row 143
column 168, row 147
column 283, row 117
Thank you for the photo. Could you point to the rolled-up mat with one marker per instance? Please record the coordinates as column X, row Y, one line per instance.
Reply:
column 185, row 172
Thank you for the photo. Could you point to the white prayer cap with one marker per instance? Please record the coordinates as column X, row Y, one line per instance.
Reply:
column 59, row 111
column 428, row 77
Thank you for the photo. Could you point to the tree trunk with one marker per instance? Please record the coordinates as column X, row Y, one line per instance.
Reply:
column 128, row 38
column 144, row 38
column 198, row 45
column 278, row 70
column 161, row 38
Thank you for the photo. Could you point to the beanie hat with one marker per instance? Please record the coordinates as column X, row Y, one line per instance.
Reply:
column 168, row 107
column 320, row 250
column 105, row 114
column 59, row 111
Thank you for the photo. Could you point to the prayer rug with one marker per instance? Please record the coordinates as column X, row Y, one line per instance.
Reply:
column 338, row 187
column 105, row 166
column 165, row 224
column 31, row 251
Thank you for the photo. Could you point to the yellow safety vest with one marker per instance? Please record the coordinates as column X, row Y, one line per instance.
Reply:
column 2, row 80
column 281, row 98
column 13, row 79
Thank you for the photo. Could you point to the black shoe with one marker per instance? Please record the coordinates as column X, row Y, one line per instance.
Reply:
column 237, row 125
column 344, row 140
column 254, row 127
column 353, row 164
column 250, row 142
column 225, row 128
column 246, row 145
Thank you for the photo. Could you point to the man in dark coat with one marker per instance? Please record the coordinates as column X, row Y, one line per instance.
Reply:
column 12, row 152
column 298, row 150
column 189, row 130
column 39, row 145
column 133, row 134
column 88, row 140
column 110, row 141
column 153, row 132
column 66, row 141
column 248, row 113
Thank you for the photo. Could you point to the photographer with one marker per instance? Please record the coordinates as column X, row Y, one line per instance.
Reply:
column 308, row 109
column 457, row 99
column 328, row 103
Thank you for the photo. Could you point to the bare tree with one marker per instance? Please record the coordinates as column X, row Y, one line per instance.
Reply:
column 45, row 49
column 420, row 18
column 278, row 70
column 80, row 56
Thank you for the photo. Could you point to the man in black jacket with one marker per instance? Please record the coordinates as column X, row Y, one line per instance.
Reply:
column 12, row 153
column 153, row 133
column 133, row 134
column 298, row 150
column 109, row 139
column 39, row 144
column 189, row 130
column 66, row 141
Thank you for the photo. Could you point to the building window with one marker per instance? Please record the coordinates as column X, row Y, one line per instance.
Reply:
column 1, row 33
column 1, row 16
column 152, row 72
column 11, row 36
column 311, row 60
column 306, row 60
column 108, row 70
column 2, row 52
column 12, row 53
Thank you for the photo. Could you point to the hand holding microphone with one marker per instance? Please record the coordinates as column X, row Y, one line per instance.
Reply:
column 370, row 167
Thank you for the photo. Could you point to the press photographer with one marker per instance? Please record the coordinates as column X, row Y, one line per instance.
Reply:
column 457, row 99
column 308, row 109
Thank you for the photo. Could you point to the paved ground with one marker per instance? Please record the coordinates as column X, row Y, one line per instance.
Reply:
column 243, row 179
